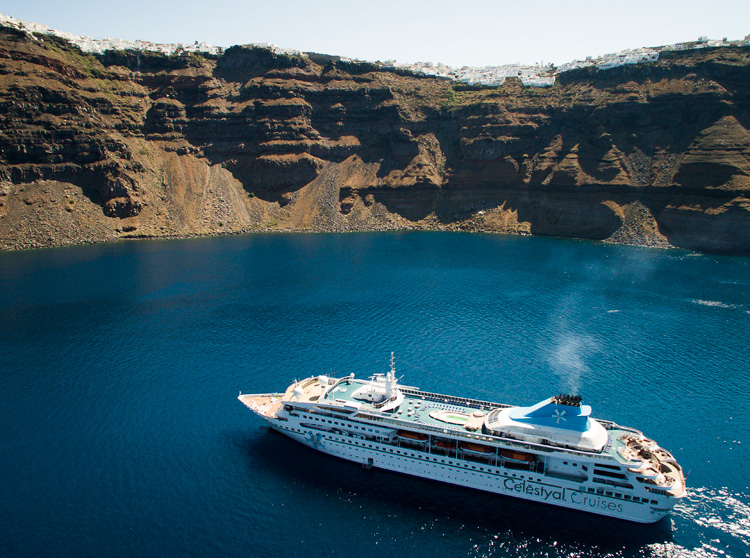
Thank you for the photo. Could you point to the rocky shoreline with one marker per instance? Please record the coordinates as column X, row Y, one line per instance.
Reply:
column 49, row 235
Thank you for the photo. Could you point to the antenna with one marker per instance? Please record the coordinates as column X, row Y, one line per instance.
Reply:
column 390, row 378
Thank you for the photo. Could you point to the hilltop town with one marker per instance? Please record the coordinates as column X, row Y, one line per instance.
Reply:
column 537, row 75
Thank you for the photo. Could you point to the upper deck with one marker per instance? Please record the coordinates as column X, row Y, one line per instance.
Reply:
column 419, row 408
column 454, row 416
column 450, row 416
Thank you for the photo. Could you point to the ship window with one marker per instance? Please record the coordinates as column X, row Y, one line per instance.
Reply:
column 608, row 493
column 654, row 501
column 565, row 462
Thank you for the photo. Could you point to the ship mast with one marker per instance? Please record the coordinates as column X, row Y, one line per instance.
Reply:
column 390, row 379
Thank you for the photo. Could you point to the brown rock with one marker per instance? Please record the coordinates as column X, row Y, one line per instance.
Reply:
column 156, row 146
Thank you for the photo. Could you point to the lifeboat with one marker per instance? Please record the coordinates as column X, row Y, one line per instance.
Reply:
column 476, row 448
column 445, row 444
column 519, row 456
column 413, row 436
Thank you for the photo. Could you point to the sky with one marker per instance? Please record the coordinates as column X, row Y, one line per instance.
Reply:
column 456, row 33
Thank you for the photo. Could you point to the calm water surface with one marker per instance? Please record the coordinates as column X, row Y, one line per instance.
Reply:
column 120, row 366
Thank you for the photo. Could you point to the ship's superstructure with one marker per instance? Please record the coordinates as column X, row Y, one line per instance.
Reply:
column 552, row 452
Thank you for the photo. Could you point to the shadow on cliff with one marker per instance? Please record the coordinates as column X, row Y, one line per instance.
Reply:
column 99, row 186
column 242, row 63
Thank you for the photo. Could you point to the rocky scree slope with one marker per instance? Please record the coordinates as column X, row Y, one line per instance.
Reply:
column 126, row 144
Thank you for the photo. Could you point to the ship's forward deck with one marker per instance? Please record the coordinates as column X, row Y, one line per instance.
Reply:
column 266, row 405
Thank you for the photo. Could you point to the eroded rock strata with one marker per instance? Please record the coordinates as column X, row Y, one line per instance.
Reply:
column 96, row 148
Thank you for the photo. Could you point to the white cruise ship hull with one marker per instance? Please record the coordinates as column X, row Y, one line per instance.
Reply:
column 497, row 480
column 587, row 464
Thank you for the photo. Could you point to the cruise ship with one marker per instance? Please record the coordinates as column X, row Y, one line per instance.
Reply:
column 553, row 452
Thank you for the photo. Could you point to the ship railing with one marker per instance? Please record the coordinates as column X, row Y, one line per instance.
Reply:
column 464, row 401
column 609, row 425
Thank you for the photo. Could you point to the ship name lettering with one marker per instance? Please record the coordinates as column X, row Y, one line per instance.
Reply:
column 533, row 489
column 601, row 503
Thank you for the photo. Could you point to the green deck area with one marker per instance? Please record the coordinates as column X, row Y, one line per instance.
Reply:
column 413, row 409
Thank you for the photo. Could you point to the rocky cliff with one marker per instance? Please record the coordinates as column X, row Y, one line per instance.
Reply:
column 96, row 148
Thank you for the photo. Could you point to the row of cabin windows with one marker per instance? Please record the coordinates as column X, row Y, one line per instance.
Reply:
column 412, row 454
column 475, row 467
column 338, row 424
column 600, row 472
column 435, row 459
column 623, row 496
column 610, row 474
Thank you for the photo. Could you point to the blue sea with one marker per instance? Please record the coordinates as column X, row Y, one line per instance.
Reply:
column 120, row 365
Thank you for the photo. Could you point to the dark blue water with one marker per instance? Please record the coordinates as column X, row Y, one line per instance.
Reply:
column 120, row 365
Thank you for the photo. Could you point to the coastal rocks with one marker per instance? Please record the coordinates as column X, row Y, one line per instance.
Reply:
column 50, row 213
column 639, row 225
column 122, row 207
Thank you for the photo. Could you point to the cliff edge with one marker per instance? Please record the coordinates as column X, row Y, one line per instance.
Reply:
column 126, row 144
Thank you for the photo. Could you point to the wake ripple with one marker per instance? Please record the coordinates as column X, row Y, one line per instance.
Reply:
column 714, row 303
column 723, row 518
column 718, row 509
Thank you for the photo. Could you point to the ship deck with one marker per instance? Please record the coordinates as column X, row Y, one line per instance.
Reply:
column 416, row 408
column 455, row 415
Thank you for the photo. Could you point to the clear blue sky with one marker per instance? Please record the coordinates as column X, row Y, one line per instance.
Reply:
column 474, row 32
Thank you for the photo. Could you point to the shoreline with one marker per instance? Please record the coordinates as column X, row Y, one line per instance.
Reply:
column 270, row 230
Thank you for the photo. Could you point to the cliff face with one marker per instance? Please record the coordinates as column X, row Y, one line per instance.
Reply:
column 126, row 144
